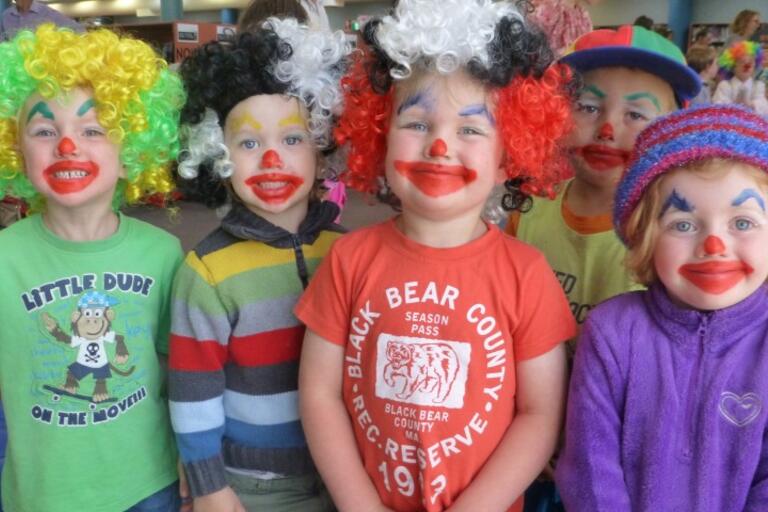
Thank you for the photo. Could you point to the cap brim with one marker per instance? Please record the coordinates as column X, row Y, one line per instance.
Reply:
column 683, row 80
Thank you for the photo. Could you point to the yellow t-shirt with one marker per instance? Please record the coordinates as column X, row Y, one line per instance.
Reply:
column 585, row 253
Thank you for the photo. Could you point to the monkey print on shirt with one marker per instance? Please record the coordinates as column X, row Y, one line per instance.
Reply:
column 91, row 329
column 91, row 344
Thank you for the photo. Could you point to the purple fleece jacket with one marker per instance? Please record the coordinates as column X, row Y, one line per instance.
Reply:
column 667, row 408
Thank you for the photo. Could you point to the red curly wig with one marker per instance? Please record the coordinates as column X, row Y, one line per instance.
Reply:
column 533, row 116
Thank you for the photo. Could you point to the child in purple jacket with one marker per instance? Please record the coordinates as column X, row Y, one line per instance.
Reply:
column 666, row 400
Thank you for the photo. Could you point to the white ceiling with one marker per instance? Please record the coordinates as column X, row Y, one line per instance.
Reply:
column 82, row 8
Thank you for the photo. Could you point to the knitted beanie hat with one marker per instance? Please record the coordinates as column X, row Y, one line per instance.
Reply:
column 685, row 137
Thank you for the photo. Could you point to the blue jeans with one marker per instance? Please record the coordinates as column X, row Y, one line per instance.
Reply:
column 164, row 500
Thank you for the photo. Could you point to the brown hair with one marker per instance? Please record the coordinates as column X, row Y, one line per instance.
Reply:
column 739, row 23
column 260, row 10
column 699, row 58
column 642, row 229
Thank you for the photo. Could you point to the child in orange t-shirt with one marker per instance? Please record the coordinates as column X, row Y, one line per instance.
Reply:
column 432, row 369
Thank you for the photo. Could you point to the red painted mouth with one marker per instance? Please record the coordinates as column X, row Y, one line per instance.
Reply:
column 436, row 180
column 69, row 176
column 603, row 158
column 715, row 277
column 274, row 187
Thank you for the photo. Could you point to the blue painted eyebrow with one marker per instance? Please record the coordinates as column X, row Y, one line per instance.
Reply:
column 477, row 110
column 420, row 98
column 678, row 202
column 748, row 193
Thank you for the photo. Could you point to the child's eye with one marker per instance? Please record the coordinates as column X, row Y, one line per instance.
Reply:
column 249, row 144
column 93, row 132
column 586, row 108
column 44, row 132
column 637, row 116
column 743, row 224
column 683, row 226
column 292, row 140
column 469, row 130
column 417, row 126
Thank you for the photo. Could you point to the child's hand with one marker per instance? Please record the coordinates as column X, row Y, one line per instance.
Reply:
column 742, row 97
column 224, row 500
column 186, row 499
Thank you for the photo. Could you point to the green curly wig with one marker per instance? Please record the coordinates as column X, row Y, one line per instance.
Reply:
column 137, row 100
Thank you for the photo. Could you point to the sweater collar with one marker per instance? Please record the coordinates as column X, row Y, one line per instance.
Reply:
column 714, row 329
column 243, row 223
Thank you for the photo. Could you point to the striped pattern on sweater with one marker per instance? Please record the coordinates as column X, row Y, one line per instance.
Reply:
column 235, row 346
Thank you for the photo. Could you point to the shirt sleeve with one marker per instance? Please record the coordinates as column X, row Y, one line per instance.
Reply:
column 200, row 332
column 544, row 318
column 723, row 93
column 164, row 325
column 589, row 473
column 61, row 20
column 325, row 306
column 759, row 101
column 758, row 493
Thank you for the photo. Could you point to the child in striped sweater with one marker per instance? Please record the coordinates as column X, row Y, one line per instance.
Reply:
column 259, row 112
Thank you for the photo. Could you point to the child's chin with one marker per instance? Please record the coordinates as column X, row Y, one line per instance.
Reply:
column 710, row 302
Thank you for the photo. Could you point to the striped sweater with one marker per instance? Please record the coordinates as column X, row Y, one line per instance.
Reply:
column 235, row 346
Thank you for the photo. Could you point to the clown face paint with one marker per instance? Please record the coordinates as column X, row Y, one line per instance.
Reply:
column 274, row 157
column 611, row 110
column 443, row 150
column 68, row 157
column 710, row 253
column 744, row 68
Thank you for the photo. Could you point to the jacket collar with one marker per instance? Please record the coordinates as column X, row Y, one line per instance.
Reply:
column 716, row 330
column 243, row 223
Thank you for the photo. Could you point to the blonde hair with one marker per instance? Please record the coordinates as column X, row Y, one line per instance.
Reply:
column 699, row 59
column 740, row 22
column 642, row 229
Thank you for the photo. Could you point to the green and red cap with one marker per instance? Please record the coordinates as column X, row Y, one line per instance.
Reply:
column 635, row 47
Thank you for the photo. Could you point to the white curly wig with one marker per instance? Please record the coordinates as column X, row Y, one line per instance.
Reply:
column 449, row 34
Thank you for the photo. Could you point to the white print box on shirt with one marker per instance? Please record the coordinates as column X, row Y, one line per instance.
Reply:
column 422, row 371
column 416, row 372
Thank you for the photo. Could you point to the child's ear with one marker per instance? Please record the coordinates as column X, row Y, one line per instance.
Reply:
column 501, row 173
column 122, row 173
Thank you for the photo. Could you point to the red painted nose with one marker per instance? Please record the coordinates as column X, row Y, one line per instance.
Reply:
column 271, row 160
column 606, row 132
column 713, row 245
column 66, row 146
column 438, row 148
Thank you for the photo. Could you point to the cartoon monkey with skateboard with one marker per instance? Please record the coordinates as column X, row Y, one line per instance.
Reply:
column 91, row 329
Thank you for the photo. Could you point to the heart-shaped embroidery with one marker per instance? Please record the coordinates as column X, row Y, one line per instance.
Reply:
column 740, row 410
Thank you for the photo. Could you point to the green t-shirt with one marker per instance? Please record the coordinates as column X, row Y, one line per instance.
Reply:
column 590, row 268
column 71, row 314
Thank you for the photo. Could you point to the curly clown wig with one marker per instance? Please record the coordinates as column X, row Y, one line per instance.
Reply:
column 284, row 57
column 494, row 43
column 728, row 58
column 137, row 101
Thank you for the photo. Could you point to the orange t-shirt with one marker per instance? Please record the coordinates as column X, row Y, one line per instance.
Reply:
column 431, row 339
